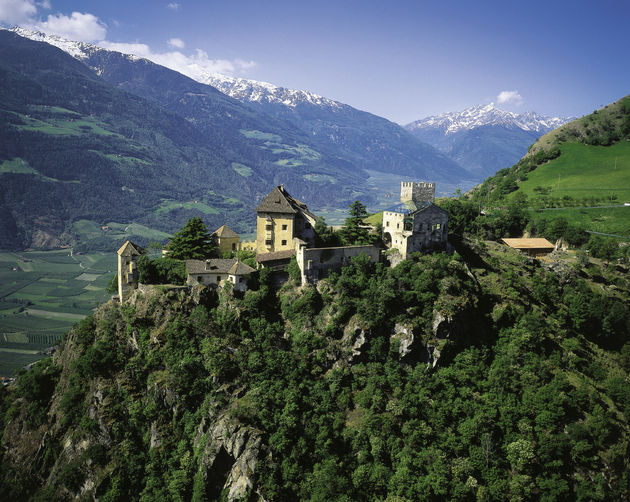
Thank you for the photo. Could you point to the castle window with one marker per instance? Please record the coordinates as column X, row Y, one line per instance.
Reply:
column 269, row 226
column 234, row 246
column 438, row 226
column 397, row 225
column 218, row 278
column 284, row 242
column 307, row 225
column 268, row 242
column 387, row 224
column 240, row 279
column 284, row 227
column 199, row 279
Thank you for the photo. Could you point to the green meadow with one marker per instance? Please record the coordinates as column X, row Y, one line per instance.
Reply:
column 582, row 172
column 42, row 295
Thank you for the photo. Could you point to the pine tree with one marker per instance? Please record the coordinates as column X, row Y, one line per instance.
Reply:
column 193, row 241
column 354, row 230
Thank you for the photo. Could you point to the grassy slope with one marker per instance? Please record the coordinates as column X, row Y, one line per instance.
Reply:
column 583, row 171
column 587, row 173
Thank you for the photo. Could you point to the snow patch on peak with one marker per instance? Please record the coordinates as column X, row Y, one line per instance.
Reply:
column 483, row 115
column 264, row 92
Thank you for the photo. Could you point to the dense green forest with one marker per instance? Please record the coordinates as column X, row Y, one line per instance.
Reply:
column 483, row 375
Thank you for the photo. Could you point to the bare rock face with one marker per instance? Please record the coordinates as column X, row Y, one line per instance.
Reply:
column 404, row 335
column 355, row 337
column 230, row 456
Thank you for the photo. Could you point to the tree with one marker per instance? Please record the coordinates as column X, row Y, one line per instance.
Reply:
column 193, row 241
column 354, row 230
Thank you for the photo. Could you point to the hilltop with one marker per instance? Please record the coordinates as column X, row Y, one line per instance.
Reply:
column 579, row 172
column 483, row 375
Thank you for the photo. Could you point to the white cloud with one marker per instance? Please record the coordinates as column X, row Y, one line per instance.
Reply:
column 196, row 65
column 15, row 12
column 78, row 26
column 176, row 42
column 510, row 97
column 87, row 27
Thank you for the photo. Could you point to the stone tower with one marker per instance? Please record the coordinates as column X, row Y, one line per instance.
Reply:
column 127, row 269
column 417, row 191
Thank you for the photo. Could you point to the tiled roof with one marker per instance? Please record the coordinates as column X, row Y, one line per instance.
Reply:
column 218, row 266
column 224, row 231
column 276, row 255
column 531, row 243
column 240, row 268
column 279, row 201
column 133, row 248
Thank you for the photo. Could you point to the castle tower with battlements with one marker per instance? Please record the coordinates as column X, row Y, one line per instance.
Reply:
column 417, row 191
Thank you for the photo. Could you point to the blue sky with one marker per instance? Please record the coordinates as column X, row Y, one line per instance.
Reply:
column 403, row 60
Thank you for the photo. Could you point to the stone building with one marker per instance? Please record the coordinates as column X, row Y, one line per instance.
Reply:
column 280, row 220
column 416, row 223
column 227, row 239
column 216, row 271
column 127, row 269
column 318, row 263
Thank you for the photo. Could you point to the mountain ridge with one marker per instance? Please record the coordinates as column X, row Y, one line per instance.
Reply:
column 358, row 137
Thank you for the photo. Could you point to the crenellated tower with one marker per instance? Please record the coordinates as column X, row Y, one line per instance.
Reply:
column 417, row 191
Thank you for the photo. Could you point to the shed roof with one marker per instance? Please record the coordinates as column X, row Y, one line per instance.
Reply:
column 276, row 255
column 230, row 266
column 529, row 243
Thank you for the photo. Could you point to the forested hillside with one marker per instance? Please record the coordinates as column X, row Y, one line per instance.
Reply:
column 484, row 375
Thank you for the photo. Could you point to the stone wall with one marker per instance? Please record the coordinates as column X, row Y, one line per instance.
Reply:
column 317, row 263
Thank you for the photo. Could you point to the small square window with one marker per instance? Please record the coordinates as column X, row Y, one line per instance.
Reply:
column 268, row 242
column 284, row 227
column 199, row 278
column 240, row 279
column 284, row 242
column 218, row 278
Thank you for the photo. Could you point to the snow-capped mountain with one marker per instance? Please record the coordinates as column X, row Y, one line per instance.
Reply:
column 358, row 138
column 484, row 138
column 264, row 92
column 484, row 115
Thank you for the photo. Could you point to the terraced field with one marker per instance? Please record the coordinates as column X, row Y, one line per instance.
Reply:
column 42, row 294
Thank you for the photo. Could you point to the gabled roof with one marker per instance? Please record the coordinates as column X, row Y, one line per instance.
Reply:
column 240, row 268
column 230, row 266
column 131, row 249
column 531, row 243
column 279, row 201
column 224, row 232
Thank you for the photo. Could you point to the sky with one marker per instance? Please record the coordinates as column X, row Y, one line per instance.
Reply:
column 403, row 60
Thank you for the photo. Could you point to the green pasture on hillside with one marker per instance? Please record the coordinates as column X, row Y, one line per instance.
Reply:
column 42, row 295
column 609, row 220
column 583, row 171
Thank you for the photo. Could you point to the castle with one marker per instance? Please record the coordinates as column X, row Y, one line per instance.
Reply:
column 285, row 228
column 416, row 224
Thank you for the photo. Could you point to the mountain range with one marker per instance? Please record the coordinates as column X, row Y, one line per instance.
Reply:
column 360, row 138
column 484, row 139
column 99, row 136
